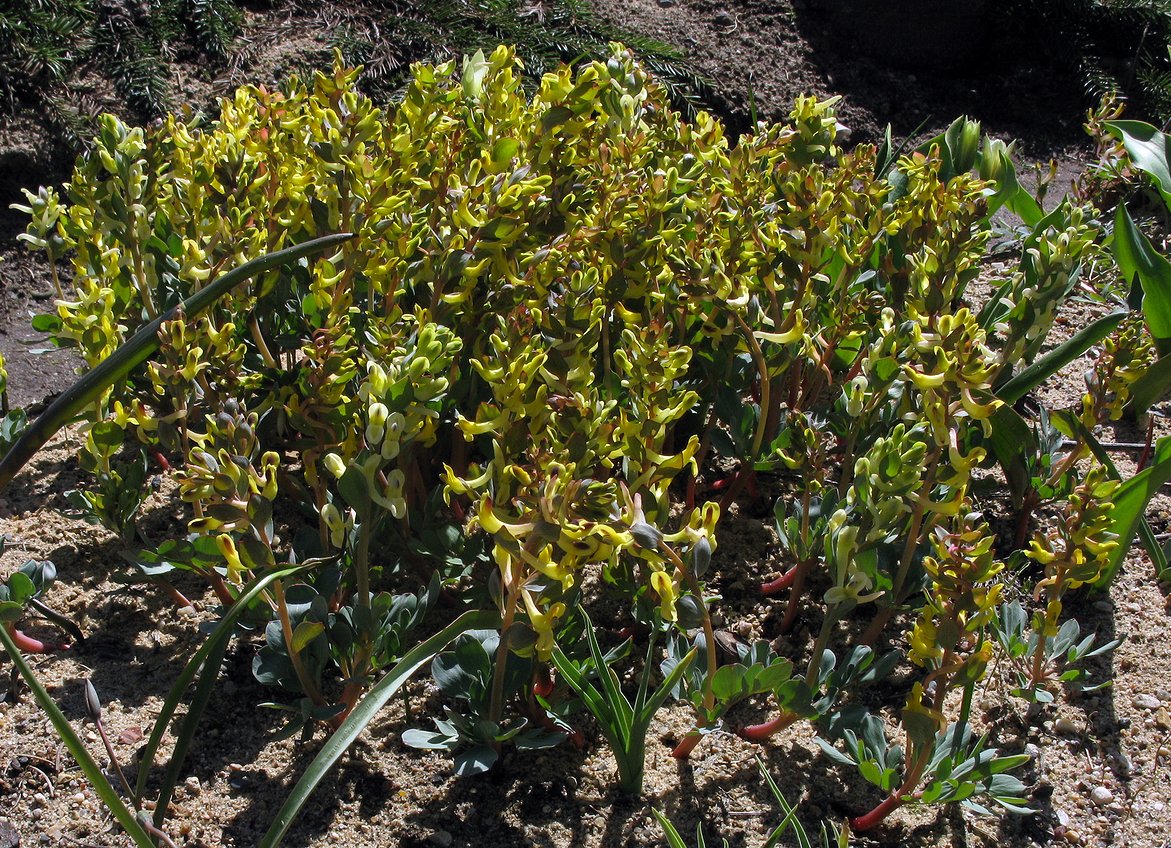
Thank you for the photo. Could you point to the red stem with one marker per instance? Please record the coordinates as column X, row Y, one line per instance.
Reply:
column 686, row 746
column 29, row 645
column 760, row 732
column 1146, row 455
column 177, row 598
column 802, row 569
column 874, row 818
column 781, row 583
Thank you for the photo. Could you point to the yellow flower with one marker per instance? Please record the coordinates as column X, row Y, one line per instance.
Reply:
column 665, row 588
column 542, row 624
column 228, row 550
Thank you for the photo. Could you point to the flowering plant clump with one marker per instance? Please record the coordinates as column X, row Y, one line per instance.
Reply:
column 568, row 334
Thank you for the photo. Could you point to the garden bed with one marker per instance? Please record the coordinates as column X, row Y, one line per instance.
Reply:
column 1096, row 775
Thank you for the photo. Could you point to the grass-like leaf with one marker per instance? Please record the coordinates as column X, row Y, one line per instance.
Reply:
column 364, row 712
column 624, row 724
column 208, row 659
column 1066, row 352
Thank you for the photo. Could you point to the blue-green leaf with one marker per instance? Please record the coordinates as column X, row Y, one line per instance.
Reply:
column 1140, row 262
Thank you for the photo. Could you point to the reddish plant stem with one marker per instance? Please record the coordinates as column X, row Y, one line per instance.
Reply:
column 683, row 750
column 873, row 818
column 30, row 645
column 1146, row 455
column 222, row 592
column 743, row 479
column 762, row 731
column 783, row 582
column 177, row 598
column 802, row 569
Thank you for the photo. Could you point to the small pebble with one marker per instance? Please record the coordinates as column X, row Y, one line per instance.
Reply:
column 39, row 798
column 441, row 838
column 1147, row 702
column 1073, row 837
column 79, row 798
column 722, row 18
column 1101, row 796
column 193, row 785
column 1163, row 718
column 187, row 611
column 1064, row 725
column 1032, row 751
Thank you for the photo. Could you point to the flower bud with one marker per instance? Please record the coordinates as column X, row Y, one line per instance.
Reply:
column 376, row 425
column 334, row 464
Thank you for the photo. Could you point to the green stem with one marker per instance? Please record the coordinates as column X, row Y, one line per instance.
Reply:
column 709, row 633
column 496, row 705
column 303, row 676
column 261, row 344
column 831, row 616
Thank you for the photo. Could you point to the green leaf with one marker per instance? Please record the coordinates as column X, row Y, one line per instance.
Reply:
column 1059, row 357
column 1012, row 442
column 503, row 151
column 477, row 760
column 364, row 712
column 1150, row 388
column 1130, row 502
column 138, row 348
column 1148, row 149
column 1139, row 261
column 674, row 840
column 728, row 682
column 77, row 749
column 305, row 633
column 20, row 587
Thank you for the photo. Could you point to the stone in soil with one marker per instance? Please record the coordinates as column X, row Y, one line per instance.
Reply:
column 1101, row 796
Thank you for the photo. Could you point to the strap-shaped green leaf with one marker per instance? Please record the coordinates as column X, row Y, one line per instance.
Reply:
column 1139, row 262
column 1056, row 359
column 215, row 642
column 364, row 713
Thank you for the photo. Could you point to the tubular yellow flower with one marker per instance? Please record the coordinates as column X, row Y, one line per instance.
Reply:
column 228, row 551
column 665, row 588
